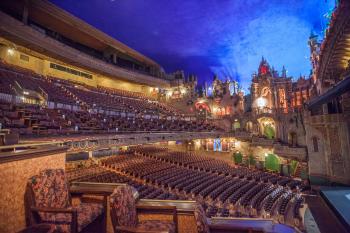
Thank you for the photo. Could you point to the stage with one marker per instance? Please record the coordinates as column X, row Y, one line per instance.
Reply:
column 338, row 199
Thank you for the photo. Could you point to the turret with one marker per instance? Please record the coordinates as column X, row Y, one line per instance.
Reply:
column 264, row 67
column 284, row 72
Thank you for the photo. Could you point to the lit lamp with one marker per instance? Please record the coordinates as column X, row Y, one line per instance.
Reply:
column 10, row 51
column 261, row 102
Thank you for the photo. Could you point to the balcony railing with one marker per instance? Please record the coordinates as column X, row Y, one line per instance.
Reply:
column 296, row 153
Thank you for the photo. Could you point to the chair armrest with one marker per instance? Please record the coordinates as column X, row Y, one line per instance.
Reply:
column 53, row 210
column 94, row 188
column 135, row 230
column 73, row 212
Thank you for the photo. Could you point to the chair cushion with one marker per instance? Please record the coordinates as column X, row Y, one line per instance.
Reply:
column 201, row 219
column 50, row 189
column 157, row 225
column 123, row 207
column 87, row 213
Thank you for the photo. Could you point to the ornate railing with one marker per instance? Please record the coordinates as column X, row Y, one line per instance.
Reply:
column 295, row 153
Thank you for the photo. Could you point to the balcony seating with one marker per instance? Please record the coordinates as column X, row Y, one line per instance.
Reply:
column 124, row 214
column 77, row 108
column 50, row 201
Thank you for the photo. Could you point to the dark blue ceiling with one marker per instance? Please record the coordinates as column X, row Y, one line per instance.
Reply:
column 226, row 37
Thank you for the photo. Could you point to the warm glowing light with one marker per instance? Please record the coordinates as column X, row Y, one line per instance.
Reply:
column 183, row 91
column 266, row 154
column 10, row 51
column 261, row 102
column 25, row 93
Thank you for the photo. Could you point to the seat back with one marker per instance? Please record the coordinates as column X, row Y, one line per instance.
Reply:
column 50, row 189
column 123, row 207
column 201, row 219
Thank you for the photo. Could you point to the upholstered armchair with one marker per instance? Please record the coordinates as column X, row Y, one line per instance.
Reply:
column 123, row 209
column 201, row 219
column 50, row 202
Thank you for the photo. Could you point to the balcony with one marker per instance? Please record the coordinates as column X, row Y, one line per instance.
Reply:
column 295, row 153
column 21, row 34
column 83, row 143
column 327, row 118
column 243, row 135
column 260, row 141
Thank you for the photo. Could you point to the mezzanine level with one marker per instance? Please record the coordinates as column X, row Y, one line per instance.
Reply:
column 26, row 36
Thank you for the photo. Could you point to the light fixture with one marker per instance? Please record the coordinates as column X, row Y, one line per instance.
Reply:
column 10, row 51
column 261, row 102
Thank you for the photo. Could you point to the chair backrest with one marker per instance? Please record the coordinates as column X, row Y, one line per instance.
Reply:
column 201, row 219
column 123, row 207
column 50, row 189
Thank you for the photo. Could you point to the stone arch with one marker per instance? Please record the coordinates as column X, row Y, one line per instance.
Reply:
column 267, row 127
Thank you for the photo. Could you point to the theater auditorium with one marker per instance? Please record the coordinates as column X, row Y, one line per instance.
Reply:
column 98, row 137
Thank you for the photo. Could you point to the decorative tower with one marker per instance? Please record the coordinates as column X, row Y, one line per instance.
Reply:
column 284, row 72
column 314, row 54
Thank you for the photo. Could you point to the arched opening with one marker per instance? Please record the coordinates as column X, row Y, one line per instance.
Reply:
column 249, row 126
column 236, row 125
column 269, row 132
column 267, row 127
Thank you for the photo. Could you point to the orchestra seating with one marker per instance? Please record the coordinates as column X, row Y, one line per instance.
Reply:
column 60, row 107
column 222, row 189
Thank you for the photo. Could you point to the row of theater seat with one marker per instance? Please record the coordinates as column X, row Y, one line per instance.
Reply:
column 99, row 174
column 221, row 194
column 202, row 163
column 37, row 120
column 61, row 91
column 91, row 109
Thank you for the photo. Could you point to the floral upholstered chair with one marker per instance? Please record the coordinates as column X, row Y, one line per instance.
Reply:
column 124, row 214
column 50, row 202
column 201, row 219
